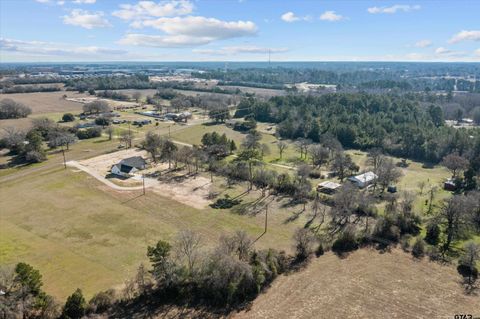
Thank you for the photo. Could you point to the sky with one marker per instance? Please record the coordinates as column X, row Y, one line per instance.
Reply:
column 239, row 30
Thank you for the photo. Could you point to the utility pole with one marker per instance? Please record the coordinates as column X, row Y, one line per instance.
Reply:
column 64, row 160
column 143, row 183
column 266, row 218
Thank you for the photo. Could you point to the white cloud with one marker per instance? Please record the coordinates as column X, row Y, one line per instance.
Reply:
column 232, row 50
column 331, row 16
column 38, row 48
column 473, row 35
column 477, row 52
column 84, row 1
column 441, row 51
column 189, row 31
column 291, row 17
column 43, row 1
column 147, row 9
column 393, row 9
column 423, row 43
column 86, row 19
column 61, row 2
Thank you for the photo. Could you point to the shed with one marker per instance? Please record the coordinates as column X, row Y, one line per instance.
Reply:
column 328, row 187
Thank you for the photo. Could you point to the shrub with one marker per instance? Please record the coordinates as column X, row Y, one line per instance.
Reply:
column 245, row 126
column 303, row 240
column 102, row 121
column 385, row 229
column 226, row 202
column 405, row 242
column 101, row 301
column 9, row 109
column 320, row 251
column 346, row 242
column 418, row 249
column 434, row 253
column 68, row 117
column 35, row 156
column 315, row 174
column 433, row 234
column 90, row 132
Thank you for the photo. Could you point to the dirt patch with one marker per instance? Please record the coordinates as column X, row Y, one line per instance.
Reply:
column 366, row 284
column 47, row 102
column 187, row 189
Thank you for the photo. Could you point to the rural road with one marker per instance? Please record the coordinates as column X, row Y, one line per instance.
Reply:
column 149, row 182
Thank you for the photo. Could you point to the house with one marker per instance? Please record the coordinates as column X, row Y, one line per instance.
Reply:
column 363, row 180
column 128, row 166
column 328, row 187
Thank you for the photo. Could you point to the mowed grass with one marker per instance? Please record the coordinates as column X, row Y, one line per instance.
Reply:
column 80, row 234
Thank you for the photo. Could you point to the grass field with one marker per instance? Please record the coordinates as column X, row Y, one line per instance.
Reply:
column 78, row 233
column 366, row 284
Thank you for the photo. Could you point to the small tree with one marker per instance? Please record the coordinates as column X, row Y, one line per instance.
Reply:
column 468, row 262
column 68, row 117
column 418, row 249
column 75, row 306
column 304, row 241
column 282, row 146
column 432, row 236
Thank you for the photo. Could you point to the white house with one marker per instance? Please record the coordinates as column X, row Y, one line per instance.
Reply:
column 128, row 166
column 363, row 180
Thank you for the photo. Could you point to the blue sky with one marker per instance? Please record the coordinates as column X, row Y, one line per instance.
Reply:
column 239, row 30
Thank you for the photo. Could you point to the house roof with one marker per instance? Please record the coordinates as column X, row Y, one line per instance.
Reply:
column 329, row 185
column 134, row 161
column 364, row 178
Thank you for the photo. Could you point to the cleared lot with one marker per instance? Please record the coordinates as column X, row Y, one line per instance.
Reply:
column 366, row 284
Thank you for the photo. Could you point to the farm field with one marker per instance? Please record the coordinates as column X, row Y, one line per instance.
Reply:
column 366, row 284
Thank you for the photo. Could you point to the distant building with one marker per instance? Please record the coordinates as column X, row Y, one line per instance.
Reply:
column 363, row 180
column 328, row 187
column 450, row 185
column 128, row 166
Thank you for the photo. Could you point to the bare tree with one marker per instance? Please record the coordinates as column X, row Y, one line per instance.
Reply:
column 455, row 163
column 387, row 173
column 109, row 130
column 153, row 144
column 469, row 260
column 343, row 165
column 282, row 146
column 136, row 96
column 126, row 137
column 187, row 246
column 319, row 155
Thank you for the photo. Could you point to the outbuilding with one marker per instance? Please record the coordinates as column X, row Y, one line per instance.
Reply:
column 328, row 187
column 363, row 180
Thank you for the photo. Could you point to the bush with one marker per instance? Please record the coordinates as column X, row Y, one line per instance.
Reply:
column 418, row 249
column 434, row 253
column 90, row 132
column 102, row 121
column 346, row 242
column 245, row 126
column 303, row 240
column 320, row 251
column 35, row 156
column 433, row 234
column 385, row 229
column 226, row 202
column 405, row 242
column 68, row 117
column 315, row 174
column 102, row 301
